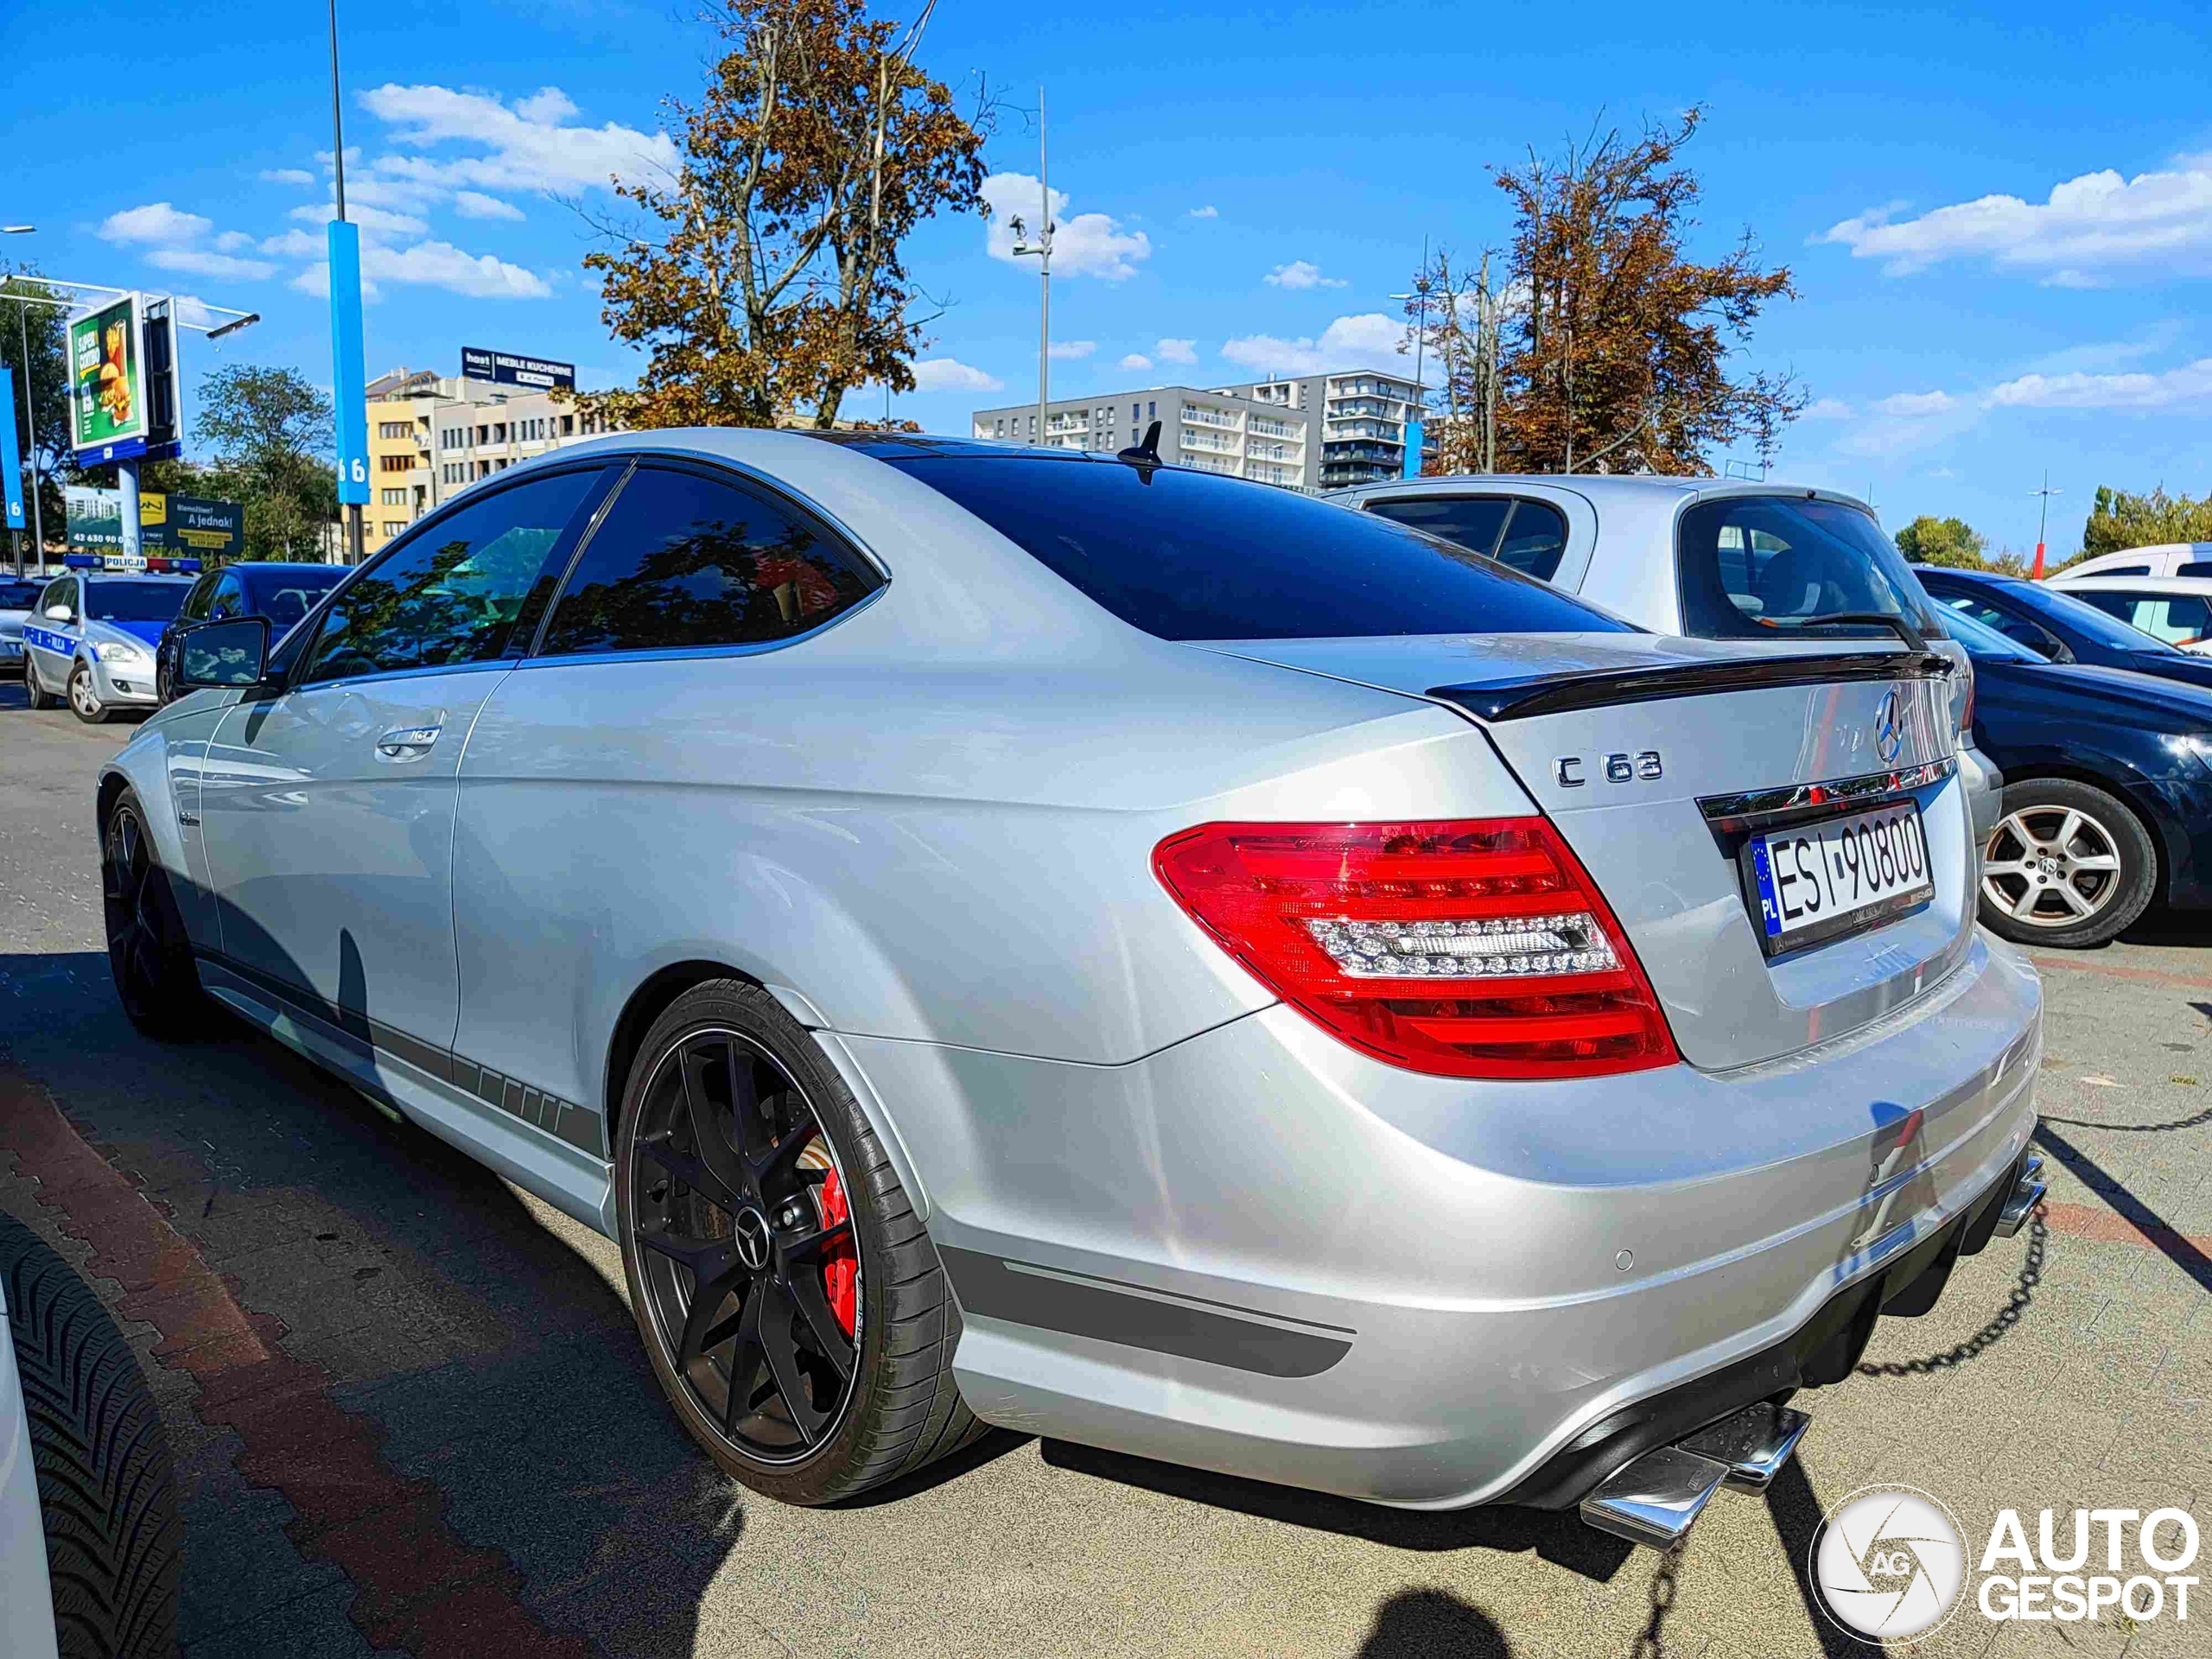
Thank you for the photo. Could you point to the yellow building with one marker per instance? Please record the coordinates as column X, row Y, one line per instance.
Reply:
column 400, row 407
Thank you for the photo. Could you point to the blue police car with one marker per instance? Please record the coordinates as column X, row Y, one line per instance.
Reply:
column 90, row 637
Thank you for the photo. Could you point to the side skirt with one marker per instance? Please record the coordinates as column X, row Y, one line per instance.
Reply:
column 513, row 1134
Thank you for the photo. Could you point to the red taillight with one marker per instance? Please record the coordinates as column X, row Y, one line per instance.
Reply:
column 1474, row 949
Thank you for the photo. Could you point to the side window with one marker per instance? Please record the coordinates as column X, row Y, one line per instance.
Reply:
column 2194, row 567
column 682, row 560
column 2015, row 628
column 229, row 600
column 1471, row 521
column 1536, row 538
column 2119, row 605
column 453, row 593
column 2181, row 619
column 194, row 608
column 62, row 590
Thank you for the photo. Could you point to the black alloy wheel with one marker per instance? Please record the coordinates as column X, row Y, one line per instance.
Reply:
column 148, row 952
column 737, row 1246
column 791, row 1302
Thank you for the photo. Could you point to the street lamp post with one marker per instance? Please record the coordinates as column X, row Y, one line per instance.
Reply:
column 1043, row 249
column 2042, row 522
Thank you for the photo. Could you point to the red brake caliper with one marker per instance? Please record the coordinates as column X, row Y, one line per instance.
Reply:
column 841, row 1268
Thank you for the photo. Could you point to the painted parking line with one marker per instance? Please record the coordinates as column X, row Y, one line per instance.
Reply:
column 421, row 1589
column 2113, row 971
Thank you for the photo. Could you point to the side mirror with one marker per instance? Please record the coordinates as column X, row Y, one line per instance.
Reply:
column 60, row 613
column 234, row 652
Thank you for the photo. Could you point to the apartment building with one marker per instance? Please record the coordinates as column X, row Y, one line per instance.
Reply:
column 431, row 435
column 1311, row 432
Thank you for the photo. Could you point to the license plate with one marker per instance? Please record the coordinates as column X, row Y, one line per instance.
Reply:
column 1820, row 881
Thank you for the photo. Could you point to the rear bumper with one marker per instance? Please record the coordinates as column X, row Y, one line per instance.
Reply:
column 1983, row 785
column 1261, row 1252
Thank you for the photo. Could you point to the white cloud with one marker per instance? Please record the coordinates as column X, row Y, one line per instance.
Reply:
column 1089, row 244
column 2088, row 232
column 949, row 374
column 1828, row 408
column 1135, row 362
column 529, row 144
column 157, row 221
column 373, row 220
column 474, row 204
column 203, row 262
column 1914, row 405
column 2188, row 385
column 1073, row 349
column 1302, row 273
column 1942, row 472
column 286, row 176
column 1207, row 212
column 1369, row 340
column 1177, row 351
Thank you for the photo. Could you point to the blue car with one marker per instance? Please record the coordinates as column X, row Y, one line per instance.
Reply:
column 2059, row 626
column 2107, row 792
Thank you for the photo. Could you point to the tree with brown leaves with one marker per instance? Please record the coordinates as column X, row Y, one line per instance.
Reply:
column 1615, row 344
column 772, row 279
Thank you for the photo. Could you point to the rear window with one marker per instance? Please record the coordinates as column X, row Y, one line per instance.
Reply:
column 1753, row 565
column 1190, row 555
column 1530, row 535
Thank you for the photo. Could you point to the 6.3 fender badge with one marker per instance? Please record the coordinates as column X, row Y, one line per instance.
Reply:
column 1619, row 768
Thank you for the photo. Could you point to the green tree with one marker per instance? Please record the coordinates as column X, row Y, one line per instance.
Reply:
column 42, row 420
column 269, row 434
column 2119, row 521
column 1951, row 541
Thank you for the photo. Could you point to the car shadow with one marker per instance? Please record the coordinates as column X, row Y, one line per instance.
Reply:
column 1558, row 1538
column 493, row 1359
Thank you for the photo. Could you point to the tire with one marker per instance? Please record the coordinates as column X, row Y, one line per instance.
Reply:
column 2068, row 866
column 148, row 953
column 897, row 1408
column 84, row 702
column 33, row 688
column 106, row 1489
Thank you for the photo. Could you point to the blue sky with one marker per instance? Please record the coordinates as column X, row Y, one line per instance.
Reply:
column 1999, row 218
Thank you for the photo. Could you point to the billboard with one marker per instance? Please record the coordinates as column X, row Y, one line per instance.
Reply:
column 95, row 519
column 107, row 382
column 190, row 527
column 348, row 378
column 505, row 369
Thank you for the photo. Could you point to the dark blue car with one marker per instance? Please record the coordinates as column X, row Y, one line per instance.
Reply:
column 2058, row 625
column 2107, row 792
column 282, row 592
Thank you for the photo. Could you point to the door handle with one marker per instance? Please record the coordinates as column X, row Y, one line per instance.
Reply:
column 408, row 743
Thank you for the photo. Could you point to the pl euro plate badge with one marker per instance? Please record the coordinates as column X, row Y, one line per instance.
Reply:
column 1820, row 881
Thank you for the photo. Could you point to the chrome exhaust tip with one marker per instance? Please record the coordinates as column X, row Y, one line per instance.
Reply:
column 2027, row 1193
column 1655, row 1500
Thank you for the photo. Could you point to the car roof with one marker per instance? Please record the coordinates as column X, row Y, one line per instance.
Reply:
column 1600, row 488
column 282, row 564
column 2141, row 584
column 132, row 575
column 1949, row 573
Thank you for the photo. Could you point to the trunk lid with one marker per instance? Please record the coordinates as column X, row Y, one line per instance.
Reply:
column 1743, row 740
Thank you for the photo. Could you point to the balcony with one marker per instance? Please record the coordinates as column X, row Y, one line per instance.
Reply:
column 1193, row 415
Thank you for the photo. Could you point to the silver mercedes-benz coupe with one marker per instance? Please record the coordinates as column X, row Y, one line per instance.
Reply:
column 1015, row 937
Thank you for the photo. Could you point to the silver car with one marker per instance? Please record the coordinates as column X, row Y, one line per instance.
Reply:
column 1024, row 937
column 1706, row 557
column 90, row 639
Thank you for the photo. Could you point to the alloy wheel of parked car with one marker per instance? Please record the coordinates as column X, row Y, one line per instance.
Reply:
column 84, row 702
column 148, row 950
column 780, row 1277
column 35, row 692
column 2067, row 864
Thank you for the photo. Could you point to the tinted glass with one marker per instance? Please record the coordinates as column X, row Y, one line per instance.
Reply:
column 1473, row 521
column 453, row 592
column 682, row 560
column 1985, row 644
column 2067, row 610
column 1190, row 555
column 2194, row 568
column 2017, row 629
column 2179, row 618
column 134, row 602
column 195, row 602
column 62, row 590
column 17, row 595
column 285, row 596
column 229, row 600
column 1534, row 540
column 1752, row 564
column 2124, row 570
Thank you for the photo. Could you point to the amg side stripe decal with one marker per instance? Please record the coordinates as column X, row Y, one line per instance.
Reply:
column 1138, row 1316
column 575, row 1124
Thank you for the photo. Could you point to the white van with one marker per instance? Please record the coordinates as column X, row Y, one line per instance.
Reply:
column 2167, row 559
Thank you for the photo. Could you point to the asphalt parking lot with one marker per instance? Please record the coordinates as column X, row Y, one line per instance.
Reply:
column 411, row 1416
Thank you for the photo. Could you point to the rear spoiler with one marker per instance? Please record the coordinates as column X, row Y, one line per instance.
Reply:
column 1520, row 697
